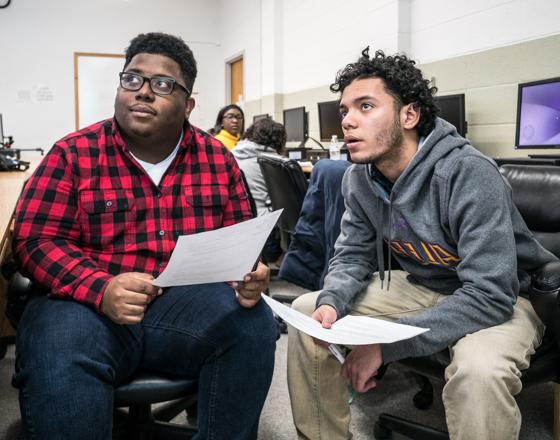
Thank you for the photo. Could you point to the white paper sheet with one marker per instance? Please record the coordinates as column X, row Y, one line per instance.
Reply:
column 225, row 254
column 350, row 330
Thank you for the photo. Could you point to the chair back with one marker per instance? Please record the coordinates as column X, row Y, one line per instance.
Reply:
column 286, row 184
column 536, row 194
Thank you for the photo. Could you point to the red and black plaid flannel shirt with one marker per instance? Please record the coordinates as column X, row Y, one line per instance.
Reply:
column 90, row 212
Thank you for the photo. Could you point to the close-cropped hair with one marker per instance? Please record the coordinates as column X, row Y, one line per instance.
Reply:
column 218, row 124
column 173, row 47
column 402, row 80
column 267, row 132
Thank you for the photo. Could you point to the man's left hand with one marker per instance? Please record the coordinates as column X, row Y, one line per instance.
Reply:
column 249, row 290
column 361, row 366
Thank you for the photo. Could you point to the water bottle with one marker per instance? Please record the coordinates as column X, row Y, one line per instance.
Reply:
column 334, row 149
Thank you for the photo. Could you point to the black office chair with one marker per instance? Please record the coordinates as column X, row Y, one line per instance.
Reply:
column 536, row 193
column 140, row 422
column 287, row 185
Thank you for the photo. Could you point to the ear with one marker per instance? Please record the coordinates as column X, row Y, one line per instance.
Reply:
column 410, row 116
column 189, row 106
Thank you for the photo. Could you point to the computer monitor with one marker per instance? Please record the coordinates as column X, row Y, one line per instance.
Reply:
column 452, row 109
column 295, row 123
column 263, row 116
column 538, row 114
column 329, row 120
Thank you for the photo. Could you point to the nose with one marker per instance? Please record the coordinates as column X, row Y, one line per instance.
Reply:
column 145, row 92
column 348, row 121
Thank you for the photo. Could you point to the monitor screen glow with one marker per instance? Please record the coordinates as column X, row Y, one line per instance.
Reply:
column 538, row 114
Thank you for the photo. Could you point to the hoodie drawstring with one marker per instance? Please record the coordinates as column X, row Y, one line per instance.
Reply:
column 379, row 244
column 389, row 250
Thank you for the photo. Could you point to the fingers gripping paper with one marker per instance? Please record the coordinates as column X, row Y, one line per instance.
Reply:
column 225, row 254
column 350, row 330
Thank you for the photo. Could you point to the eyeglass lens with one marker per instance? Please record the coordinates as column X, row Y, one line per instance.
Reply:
column 158, row 84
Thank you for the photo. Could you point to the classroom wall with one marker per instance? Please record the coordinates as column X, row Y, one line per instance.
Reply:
column 489, row 81
column 38, row 39
column 482, row 48
column 292, row 50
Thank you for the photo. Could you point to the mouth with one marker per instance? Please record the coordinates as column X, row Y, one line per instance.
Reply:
column 351, row 141
column 142, row 111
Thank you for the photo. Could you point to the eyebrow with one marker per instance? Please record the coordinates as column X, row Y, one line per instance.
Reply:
column 359, row 99
column 157, row 75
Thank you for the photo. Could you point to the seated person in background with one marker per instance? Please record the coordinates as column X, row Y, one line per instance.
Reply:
column 229, row 126
column 450, row 222
column 96, row 223
column 264, row 136
column 312, row 245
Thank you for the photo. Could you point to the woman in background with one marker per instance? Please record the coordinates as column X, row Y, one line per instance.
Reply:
column 229, row 125
column 264, row 135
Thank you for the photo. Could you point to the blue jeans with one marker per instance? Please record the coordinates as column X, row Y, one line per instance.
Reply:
column 69, row 359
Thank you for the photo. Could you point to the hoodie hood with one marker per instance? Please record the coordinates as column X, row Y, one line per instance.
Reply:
column 246, row 149
column 441, row 142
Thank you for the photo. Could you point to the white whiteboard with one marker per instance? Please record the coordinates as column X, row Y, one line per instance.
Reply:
column 96, row 81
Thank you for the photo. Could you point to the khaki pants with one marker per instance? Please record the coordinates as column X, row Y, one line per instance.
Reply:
column 480, row 384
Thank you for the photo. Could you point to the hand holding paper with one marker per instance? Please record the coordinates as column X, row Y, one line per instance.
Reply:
column 225, row 254
column 350, row 330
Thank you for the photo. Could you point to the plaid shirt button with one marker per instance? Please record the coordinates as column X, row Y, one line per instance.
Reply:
column 162, row 232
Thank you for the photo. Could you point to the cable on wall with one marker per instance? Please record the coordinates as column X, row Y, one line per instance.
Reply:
column 4, row 3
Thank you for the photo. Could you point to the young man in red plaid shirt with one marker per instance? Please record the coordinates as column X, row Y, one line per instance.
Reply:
column 96, row 223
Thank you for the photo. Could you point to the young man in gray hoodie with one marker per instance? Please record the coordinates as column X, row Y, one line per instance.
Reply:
column 448, row 218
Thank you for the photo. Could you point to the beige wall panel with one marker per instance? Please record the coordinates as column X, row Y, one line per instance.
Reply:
column 494, row 140
column 491, row 105
column 488, row 79
column 449, row 74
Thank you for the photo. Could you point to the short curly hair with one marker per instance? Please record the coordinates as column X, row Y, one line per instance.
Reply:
column 170, row 46
column 268, row 133
column 402, row 80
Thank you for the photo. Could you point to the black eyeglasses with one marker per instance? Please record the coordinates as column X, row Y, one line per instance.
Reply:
column 236, row 117
column 160, row 85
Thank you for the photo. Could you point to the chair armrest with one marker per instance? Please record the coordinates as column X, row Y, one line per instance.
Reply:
column 543, row 293
column 20, row 289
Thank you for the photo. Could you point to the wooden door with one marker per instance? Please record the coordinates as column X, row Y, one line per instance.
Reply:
column 236, row 85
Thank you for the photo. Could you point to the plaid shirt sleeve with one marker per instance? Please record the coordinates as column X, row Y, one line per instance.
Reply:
column 47, row 234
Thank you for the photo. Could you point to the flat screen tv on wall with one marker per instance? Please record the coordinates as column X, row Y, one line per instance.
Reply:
column 538, row 114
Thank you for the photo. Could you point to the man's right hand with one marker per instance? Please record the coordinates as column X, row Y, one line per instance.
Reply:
column 327, row 316
column 127, row 296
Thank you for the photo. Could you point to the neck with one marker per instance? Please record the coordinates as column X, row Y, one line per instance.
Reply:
column 150, row 149
column 393, row 165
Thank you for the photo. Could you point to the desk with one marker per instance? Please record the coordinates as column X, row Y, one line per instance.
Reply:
column 11, row 183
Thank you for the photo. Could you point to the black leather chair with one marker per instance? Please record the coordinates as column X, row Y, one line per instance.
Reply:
column 140, row 421
column 536, row 193
column 287, row 185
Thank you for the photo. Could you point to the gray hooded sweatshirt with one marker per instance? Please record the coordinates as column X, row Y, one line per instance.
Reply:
column 451, row 225
column 246, row 153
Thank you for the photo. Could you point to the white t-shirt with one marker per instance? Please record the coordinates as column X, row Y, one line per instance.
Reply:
column 157, row 170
